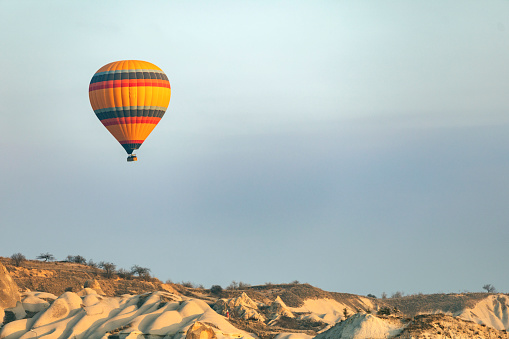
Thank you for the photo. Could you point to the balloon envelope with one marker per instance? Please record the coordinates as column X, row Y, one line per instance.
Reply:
column 129, row 97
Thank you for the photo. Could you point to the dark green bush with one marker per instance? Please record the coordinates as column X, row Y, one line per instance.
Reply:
column 384, row 311
column 216, row 289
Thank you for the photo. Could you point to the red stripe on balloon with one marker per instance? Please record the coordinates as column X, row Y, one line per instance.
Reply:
column 131, row 120
column 129, row 83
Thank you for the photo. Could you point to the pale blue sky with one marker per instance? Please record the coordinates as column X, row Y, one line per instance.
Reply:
column 360, row 146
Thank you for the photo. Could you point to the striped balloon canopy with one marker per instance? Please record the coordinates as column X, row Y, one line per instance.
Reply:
column 130, row 97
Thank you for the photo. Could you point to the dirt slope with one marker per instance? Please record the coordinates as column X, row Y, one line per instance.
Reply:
column 59, row 277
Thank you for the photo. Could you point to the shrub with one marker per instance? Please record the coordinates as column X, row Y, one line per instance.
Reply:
column 371, row 296
column 384, row 311
column 78, row 259
column 124, row 274
column 243, row 285
column 238, row 285
column 18, row 259
column 216, row 289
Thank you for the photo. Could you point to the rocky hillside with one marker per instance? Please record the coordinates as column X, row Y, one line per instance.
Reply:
column 424, row 326
column 433, row 303
column 59, row 277
column 66, row 300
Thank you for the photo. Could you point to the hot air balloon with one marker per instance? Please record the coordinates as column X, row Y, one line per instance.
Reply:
column 130, row 97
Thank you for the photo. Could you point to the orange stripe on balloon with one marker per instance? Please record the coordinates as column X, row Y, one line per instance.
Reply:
column 123, row 132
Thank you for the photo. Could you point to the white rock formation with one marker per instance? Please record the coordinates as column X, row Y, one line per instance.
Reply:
column 241, row 307
column 361, row 326
column 158, row 314
column 492, row 311
column 9, row 293
column 278, row 309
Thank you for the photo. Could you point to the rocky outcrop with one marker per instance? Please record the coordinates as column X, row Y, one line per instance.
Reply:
column 9, row 293
column 18, row 311
column 95, row 285
column 200, row 331
column 59, row 309
column 279, row 309
column 241, row 307
column 32, row 303
column 492, row 311
column 446, row 326
column 151, row 315
column 362, row 326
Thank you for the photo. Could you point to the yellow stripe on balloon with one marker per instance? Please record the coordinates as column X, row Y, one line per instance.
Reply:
column 145, row 96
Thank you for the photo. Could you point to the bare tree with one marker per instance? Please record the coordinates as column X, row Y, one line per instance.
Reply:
column 142, row 272
column 243, row 285
column 108, row 267
column 489, row 288
column 397, row 294
column 18, row 259
column 233, row 286
column 46, row 256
